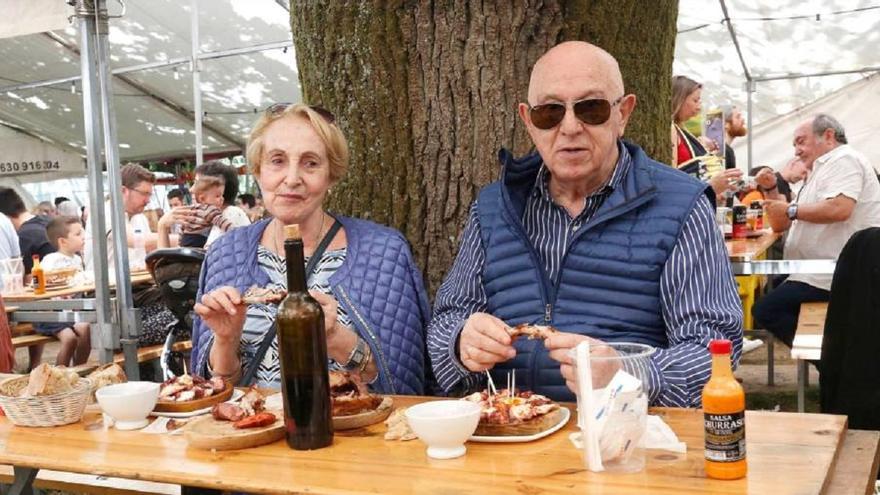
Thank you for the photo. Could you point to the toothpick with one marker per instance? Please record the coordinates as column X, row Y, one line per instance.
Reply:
column 491, row 387
column 513, row 385
column 184, row 367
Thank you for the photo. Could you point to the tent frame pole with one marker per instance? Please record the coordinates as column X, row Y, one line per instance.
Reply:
column 196, row 80
column 94, row 14
column 106, row 325
column 750, row 90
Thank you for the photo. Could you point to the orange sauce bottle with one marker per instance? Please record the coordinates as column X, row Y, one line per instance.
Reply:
column 38, row 276
column 724, row 404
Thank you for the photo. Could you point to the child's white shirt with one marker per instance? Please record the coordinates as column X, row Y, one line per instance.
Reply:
column 58, row 261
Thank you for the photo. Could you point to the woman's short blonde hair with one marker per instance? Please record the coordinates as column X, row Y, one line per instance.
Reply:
column 334, row 141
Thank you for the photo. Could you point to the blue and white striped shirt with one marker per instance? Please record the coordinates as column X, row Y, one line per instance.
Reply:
column 698, row 295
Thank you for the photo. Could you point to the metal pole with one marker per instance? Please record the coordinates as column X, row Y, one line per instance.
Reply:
column 129, row 316
column 196, row 79
column 105, row 343
column 219, row 54
column 750, row 90
column 819, row 74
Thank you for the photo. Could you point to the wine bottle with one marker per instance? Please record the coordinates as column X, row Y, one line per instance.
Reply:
column 302, row 349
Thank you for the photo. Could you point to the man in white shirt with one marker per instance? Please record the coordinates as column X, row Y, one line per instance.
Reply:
column 137, row 188
column 840, row 197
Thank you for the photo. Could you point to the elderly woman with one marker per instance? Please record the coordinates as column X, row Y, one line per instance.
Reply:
column 686, row 104
column 374, row 301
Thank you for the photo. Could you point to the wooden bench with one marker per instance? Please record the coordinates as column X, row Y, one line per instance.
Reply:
column 23, row 335
column 807, row 345
column 90, row 483
column 29, row 340
column 144, row 355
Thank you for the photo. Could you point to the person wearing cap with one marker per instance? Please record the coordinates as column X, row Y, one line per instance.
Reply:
column 591, row 236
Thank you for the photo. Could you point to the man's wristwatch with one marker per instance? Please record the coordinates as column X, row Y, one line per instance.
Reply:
column 792, row 211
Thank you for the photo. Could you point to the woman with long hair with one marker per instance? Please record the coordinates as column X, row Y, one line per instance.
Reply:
column 687, row 148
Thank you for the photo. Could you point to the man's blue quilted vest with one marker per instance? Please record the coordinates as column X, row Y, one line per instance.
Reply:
column 378, row 285
column 609, row 282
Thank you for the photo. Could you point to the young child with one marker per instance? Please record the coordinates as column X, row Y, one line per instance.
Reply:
column 67, row 236
column 208, row 195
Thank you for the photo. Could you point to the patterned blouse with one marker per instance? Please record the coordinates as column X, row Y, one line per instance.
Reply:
column 261, row 317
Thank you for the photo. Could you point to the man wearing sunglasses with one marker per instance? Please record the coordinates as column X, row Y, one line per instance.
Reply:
column 592, row 237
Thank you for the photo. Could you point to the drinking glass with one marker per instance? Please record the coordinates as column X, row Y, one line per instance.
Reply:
column 619, row 378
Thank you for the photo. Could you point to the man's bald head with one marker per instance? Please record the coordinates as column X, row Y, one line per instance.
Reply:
column 572, row 58
column 576, row 94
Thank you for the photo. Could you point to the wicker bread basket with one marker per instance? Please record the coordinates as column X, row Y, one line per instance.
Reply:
column 49, row 410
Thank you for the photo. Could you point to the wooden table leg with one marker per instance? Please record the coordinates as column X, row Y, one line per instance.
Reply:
column 24, row 481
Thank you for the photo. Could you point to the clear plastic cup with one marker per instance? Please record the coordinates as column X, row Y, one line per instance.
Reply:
column 12, row 272
column 620, row 374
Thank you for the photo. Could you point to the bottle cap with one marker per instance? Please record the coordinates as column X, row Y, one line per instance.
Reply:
column 292, row 232
column 720, row 346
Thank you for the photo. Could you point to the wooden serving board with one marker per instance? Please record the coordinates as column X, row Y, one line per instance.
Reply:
column 365, row 418
column 210, row 434
column 535, row 426
column 194, row 405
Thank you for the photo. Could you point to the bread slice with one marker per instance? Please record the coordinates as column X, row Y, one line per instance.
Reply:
column 525, row 428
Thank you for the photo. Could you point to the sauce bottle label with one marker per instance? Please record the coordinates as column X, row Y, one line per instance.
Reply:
column 725, row 437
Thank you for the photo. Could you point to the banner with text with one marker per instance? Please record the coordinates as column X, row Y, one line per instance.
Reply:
column 25, row 155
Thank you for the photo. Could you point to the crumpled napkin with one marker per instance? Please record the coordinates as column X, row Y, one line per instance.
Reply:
column 658, row 435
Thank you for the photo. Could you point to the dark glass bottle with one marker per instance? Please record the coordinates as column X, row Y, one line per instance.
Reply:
column 302, row 348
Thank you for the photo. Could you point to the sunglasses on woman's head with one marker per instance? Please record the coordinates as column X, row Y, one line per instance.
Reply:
column 594, row 111
column 277, row 108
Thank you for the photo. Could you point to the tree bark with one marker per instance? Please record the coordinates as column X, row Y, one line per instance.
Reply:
column 426, row 93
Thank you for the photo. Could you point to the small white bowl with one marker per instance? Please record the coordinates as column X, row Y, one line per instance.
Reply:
column 444, row 425
column 129, row 403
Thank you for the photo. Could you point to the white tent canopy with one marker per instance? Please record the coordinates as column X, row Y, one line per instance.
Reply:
column 247, row 63
column 780, row 43
column 853, row 105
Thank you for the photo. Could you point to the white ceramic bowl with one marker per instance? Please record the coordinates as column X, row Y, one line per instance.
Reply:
column 129, row 403
column 444, row 425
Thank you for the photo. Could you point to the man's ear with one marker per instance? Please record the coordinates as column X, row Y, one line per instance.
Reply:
column 627, row 105
column 523, row 110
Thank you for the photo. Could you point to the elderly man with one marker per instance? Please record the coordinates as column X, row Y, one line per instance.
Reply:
column 841, row 196
column 591, row 236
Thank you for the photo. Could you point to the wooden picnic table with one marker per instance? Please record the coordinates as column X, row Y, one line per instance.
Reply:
column 137, row 278
column 752, row 248
column 787, row 453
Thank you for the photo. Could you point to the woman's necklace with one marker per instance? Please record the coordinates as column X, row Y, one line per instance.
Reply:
column 279, row 242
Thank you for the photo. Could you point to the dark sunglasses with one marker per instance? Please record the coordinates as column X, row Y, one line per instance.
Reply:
column 276, row 108
column 594, row 111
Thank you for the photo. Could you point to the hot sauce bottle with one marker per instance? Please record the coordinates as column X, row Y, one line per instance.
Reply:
column 39, row 276
column 724, row 404
column 302, row 349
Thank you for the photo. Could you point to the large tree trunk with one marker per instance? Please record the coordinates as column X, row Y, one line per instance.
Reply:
column 426, row 93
